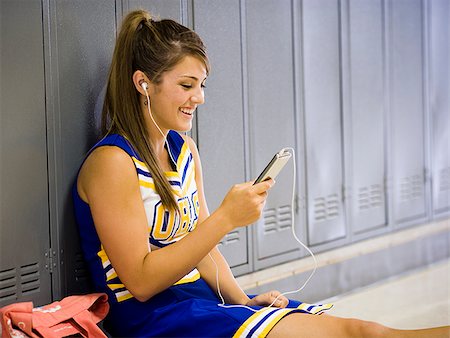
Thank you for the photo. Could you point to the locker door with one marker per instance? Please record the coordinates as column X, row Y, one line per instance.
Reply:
column 367, row 114
column 271, row 105
column 24, row 222
column 82, row 36
column 322, row 106
column 439, row 75
column 407, row 110
column 164, row 9
column 220, row 120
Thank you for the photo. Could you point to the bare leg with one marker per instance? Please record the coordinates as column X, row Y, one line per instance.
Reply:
column 303, row 325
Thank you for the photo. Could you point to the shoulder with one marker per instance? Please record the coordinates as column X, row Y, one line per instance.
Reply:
column 191, row 145
column 195, row 153
column 108, row 156
column 105, row 165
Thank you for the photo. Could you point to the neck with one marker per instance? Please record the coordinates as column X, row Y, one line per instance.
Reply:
column 158, row 141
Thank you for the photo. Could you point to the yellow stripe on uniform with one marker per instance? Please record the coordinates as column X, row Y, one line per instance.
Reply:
column 147, row 184
column 252, row 321
column 123, row 295
column 111, row 274
column 171, row 174
column 115, row 286
column 303, row 306
column 139, row 164
column 189, row 278
column 103, row 256
column 182, row 157
column 270, row 322
column 320, row 308
column 181, row 191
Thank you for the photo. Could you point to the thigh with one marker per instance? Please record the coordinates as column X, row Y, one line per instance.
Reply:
column 300, row 325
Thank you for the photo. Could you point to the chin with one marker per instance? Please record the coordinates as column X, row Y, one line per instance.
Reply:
column 187, row 127
column 184, row 129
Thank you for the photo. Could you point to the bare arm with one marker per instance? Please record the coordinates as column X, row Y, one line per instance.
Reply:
column 109, row 184
column 214, row 265
column 214, row 268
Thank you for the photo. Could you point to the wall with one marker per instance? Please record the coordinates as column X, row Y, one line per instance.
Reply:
column 359, row 88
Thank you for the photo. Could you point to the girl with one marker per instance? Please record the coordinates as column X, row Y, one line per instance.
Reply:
column 146, row 232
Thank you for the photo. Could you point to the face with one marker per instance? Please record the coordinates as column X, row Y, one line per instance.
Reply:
column 175, row 98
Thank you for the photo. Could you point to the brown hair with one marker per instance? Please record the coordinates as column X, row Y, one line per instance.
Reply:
column 153, row 47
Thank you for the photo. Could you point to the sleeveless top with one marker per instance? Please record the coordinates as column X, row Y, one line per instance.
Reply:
column 189, row 308
column 164, row 227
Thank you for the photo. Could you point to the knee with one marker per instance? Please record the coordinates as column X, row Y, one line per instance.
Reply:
column 362, row 328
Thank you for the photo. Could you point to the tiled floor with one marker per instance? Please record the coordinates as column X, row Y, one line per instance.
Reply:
column 414, row 300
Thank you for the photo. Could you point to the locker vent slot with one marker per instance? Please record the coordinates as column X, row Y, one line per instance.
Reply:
column 370, row 197
column 326, row 208
column 444, row 180
column 81, row 272
column 8, row 285
column 30, row 278
column 230, row 238
column 277, row 219
column 411, row 188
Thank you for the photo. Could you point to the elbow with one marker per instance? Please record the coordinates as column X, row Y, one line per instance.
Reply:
column 145, row 283
column 142, row 293
column 141, row 298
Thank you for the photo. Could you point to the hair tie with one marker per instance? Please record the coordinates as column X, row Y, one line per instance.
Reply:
column 144, row 22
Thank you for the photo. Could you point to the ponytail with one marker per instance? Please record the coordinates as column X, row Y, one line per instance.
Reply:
column 153, row 47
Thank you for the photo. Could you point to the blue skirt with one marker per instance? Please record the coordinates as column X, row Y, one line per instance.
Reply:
column 193, row 310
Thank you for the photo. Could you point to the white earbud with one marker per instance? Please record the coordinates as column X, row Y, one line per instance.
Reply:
column 144, row 86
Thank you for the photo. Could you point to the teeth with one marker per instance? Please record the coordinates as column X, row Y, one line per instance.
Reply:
column 186, row 111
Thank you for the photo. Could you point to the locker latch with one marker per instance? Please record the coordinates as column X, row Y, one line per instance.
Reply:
column 50, row 260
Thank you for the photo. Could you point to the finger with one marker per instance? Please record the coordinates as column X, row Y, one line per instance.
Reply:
column 263, row 196
column 278, row 299
column 283, row 301
column 263, row 186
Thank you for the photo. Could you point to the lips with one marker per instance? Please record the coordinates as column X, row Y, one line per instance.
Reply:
column 187, row 111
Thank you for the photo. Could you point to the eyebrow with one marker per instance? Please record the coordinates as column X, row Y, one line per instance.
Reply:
column 192, row 77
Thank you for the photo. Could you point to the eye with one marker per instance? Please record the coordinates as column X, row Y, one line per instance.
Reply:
column 187, row 86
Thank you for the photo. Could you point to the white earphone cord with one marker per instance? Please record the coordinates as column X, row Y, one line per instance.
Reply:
column 295, row 237
column 144, row 86
column 292, row 225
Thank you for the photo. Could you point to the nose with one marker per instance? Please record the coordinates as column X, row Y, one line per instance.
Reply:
column 198, row 97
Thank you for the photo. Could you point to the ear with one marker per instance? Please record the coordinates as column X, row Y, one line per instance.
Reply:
column 139, row 78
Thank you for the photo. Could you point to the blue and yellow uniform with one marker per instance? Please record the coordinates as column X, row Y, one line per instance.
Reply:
column 189, row 308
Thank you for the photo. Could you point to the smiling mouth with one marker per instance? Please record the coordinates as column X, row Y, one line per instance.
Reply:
column 186, row 111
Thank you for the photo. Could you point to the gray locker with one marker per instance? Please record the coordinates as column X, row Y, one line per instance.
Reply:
column 24, row 230
column 164, row 9
column 407, row 148
column 220, row 121
column 322, row 106
column 366, row 110
column 81, row 41
column 439, row 105
column 271, row 104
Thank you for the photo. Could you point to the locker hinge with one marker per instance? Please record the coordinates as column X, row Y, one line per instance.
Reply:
column 344, row 193
column 50, row 260
column 296, row 204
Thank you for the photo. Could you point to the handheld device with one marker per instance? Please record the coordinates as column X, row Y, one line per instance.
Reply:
column 271, row 171
column 275, row 165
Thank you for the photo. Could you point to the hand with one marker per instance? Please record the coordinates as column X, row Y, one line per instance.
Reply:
column 267, row 299
column 245, row 202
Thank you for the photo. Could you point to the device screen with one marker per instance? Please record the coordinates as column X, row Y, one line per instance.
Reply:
column 275, row 165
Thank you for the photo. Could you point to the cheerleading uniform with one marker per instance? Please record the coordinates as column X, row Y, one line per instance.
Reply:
column 189, row 308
